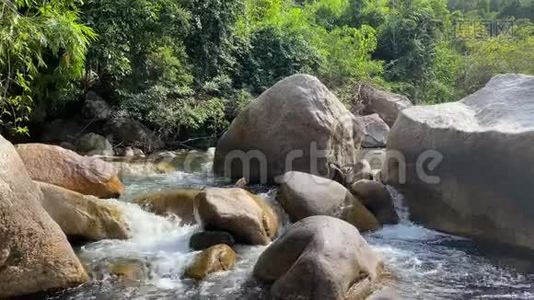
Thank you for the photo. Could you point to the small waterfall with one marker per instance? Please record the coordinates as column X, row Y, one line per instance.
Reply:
column 399, row 203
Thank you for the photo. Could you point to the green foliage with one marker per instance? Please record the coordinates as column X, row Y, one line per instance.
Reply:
column 407, row 40
column 348, row 54
column 131, row 34
column 42, row 46
column 272, row 55
column 210, row 42
column 497, row 55
column 186, row 68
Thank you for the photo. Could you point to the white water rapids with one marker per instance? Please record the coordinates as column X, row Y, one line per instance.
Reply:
column 426, row 264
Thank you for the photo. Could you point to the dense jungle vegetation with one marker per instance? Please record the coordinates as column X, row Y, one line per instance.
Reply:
column 185, row 68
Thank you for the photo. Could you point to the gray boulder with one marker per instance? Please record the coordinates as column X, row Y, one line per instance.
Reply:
column 303, row 195
column 477, row 181
column 386, row 104
column 94, row 144
column 319, row 258
column 128, row 132
column 296, row 125
column 375, row 131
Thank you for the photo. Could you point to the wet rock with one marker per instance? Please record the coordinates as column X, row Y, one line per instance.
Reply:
column 246, row 216
column 206, row 239
column 65, row 168
column 214, row 259
column 94, row 144
column 375, row 131
column 129, row 270
column 477, row 179
column 303, row 195
column 318, row 257
column 35, row 255
column 387, row 105
column 83, row 217
column 376, row 198
column 287, row 123
column 179, row 202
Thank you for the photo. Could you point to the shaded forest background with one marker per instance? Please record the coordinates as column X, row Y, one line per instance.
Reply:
column 185, row 68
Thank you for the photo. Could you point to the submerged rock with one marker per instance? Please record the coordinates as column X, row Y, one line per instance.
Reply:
column 214, row 259
column 206, row 239
column 375, row 197
column 129, row 269
column 35, row 255
column 179, row 202
column 319, row 258
column 246, row 216
column 83, row 217
column 289, row 128
column 303, row 195
column 65, row 168
column 477, row 179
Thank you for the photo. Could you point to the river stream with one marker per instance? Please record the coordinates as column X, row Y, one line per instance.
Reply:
column 426, row 264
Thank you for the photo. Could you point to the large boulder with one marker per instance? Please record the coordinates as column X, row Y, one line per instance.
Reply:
column 35, row 255
column 65, row 168
column 128, row 132
column 244, row 215
column 386, row 104
column 94, row 144
column 297, row 125
column 375, row 131
column 319, row 258
column 178, row 202
column 83, row 217
column 303, row 195
column 467, row 163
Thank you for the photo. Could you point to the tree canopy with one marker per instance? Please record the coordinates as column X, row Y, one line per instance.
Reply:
column 186, row 68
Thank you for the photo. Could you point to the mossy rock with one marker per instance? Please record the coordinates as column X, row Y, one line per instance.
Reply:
column 129, row 270
column 214, row 259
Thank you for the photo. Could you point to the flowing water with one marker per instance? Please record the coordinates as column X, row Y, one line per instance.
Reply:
column 426, row 264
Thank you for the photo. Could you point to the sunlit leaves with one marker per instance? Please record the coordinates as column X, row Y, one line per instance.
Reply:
column 29, row 30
